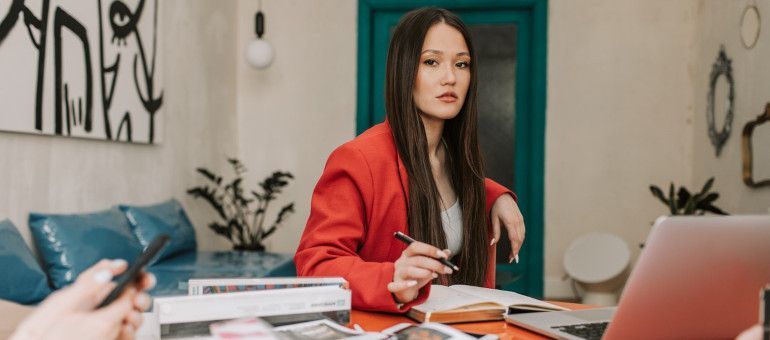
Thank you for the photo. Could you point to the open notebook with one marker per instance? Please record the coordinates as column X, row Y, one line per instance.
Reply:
column 461, row 303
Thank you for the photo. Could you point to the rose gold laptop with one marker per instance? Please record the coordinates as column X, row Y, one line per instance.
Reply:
column 696, row 278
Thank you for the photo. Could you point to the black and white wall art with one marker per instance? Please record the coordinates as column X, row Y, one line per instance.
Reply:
column 81, row 68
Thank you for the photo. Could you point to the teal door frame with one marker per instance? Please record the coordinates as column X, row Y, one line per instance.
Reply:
column 375, row 17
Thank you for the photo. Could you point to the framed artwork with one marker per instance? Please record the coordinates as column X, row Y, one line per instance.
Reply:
column 86, row 69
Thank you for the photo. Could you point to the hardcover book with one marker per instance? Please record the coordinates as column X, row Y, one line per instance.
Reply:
column 461, row 303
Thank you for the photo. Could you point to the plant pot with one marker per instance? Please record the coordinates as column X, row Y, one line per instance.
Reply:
column 249, row 247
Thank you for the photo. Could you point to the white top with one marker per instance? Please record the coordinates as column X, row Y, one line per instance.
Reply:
column 452, row 221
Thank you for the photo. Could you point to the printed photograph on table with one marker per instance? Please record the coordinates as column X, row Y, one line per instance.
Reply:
column 316, row 330
column 432, row 331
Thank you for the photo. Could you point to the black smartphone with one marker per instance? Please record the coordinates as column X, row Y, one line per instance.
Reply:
column 132, row 273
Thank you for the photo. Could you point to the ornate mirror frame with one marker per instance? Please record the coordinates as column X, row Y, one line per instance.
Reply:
column 722, row 66
column 748, row 129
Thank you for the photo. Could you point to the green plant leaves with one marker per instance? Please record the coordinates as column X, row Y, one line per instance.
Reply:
column 238, row 167
column 208, row 174
column 209, row 194
column 286, row 210
column 684, row 203
column 707, row 186
column 715, row 210
column 241, row 223
column 682, row 196
column 671, row 203
column 220, row 229
column 658, row 193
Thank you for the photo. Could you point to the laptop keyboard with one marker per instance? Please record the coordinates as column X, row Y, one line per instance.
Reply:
column 588, row 331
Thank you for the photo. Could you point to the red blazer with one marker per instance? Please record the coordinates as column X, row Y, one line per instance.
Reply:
column 359, row 202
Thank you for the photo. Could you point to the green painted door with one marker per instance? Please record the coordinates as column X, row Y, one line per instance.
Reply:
column 510, row 39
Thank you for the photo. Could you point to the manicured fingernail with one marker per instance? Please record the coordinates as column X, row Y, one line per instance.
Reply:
column 142, row 301
column 152, row 280
column 118, row 263
column 411, row 283
column 103, row 276
column 447, row 270
column 440, row 253
column 516, row 258
column 494, row 240
column 435, row 275
column 447, row 252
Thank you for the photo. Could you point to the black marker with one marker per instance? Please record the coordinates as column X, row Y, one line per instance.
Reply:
column 408, row 240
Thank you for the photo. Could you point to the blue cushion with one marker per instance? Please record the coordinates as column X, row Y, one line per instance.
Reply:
column 69, row 244
column 23, row 280
column 167, row 218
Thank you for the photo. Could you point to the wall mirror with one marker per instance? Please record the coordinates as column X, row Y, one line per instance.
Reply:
column 722, row 68
column 756, row 174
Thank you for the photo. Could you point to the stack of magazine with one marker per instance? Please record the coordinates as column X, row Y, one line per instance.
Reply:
column 277, row 301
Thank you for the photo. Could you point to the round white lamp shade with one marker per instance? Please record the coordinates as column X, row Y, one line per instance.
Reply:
column 596, row 262
column 259, row 53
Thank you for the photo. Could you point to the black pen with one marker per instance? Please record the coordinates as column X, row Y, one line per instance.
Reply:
column 408, row 240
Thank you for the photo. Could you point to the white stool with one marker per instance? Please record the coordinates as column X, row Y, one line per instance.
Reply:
column 597, row 262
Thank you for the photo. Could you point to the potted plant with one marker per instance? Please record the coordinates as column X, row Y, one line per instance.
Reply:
column 685, row 203
column 242, row 215
column 682, row 202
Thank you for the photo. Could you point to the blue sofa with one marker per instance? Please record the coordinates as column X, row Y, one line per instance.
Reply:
column 68, row 244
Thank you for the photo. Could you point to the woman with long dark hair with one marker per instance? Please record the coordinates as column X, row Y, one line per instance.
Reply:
column 420, row 172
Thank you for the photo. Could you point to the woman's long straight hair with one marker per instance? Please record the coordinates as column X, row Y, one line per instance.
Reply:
column 464, row 160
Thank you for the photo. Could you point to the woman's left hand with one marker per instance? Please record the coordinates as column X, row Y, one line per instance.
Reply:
column 505, row 211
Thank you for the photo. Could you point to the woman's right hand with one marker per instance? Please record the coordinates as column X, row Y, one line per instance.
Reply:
column 417, row 266
column 71, row 313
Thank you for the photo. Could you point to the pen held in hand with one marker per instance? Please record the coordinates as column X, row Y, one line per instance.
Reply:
column 408, row 240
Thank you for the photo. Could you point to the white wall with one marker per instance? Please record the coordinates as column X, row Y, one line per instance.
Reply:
column 619, row 118
column 719, row 24
column 65, row 175
column 294, row 113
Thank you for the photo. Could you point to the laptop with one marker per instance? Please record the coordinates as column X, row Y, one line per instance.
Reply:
column 696, row 278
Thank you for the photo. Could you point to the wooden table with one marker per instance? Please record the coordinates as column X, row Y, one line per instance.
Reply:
column 376, row 322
